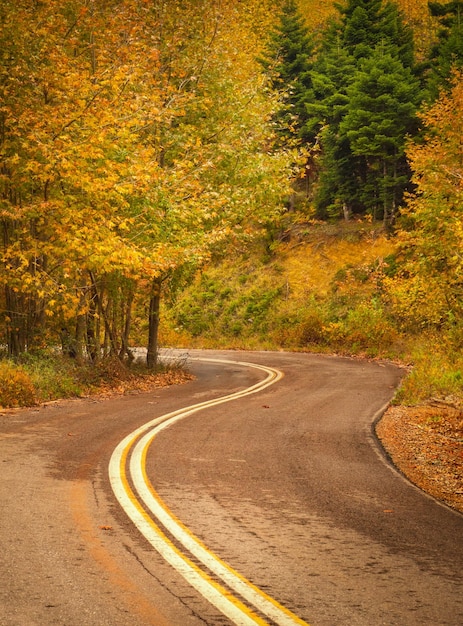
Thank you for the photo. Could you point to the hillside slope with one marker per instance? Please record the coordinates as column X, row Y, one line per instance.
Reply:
column 315, row 288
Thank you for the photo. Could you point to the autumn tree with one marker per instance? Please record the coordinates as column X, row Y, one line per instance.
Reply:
column 113, row 173
column 65, row 93
column 427, row 292
column 216, row 180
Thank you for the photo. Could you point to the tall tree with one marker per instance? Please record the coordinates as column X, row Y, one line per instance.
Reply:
column 337, row 181
column 428, row 291
column 215, row 182
column 381, row 113
column 288, row 60
column 447, row 53
column 357, row 44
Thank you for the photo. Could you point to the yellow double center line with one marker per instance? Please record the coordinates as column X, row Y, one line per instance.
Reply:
column 146, row 510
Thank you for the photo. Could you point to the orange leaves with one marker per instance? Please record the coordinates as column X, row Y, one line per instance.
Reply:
column 16, row 387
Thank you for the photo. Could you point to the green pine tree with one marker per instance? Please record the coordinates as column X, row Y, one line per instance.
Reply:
column 332, row 74
column 447, row 54
column 383, row 101
column 288, row 62
column 361, row 23
column 365, row 33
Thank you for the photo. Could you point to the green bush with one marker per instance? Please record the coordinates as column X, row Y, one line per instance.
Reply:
column 240, row 307
column 366, row 327
column 53, row 375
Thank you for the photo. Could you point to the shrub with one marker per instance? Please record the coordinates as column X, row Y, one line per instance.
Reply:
column 52, row 375
column 437, row 373
column 16, row 387
column 367, row 327
column 298, row 326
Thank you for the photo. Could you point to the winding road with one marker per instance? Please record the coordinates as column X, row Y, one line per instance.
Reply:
column 256, row 494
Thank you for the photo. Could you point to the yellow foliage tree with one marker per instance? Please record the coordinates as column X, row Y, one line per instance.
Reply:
column 132, row 140
column 429, row 288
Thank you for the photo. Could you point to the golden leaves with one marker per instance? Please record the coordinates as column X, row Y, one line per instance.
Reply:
column 130, row 145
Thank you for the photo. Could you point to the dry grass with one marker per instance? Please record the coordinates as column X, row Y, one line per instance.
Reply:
column 311, row 266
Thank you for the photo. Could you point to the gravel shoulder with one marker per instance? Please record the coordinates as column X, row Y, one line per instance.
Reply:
column 425, row 443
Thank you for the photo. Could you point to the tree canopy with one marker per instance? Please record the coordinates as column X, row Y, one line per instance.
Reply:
column 131, row 138
column 354, row 95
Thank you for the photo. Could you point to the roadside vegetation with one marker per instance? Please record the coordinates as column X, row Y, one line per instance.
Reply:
column 49, row 375
column 326, row 289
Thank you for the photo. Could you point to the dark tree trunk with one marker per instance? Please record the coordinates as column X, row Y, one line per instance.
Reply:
column 16, row 326
column 79, row 344
column 93, row 341
column 125, row 350
column 153, row 325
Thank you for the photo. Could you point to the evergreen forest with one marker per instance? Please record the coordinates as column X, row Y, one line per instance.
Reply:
column 258, row 174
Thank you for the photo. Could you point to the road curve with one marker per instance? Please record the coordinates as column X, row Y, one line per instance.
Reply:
column 147, row 511
column 286, row 487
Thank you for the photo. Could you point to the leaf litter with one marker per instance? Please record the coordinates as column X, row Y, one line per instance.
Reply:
column 426, row 444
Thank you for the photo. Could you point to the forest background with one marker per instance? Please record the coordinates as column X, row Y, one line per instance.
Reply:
column 254, row 174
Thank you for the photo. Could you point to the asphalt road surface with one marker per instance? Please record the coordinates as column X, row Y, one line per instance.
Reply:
column 181, row 507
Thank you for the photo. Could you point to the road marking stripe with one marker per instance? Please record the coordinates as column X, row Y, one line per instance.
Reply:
column 222, row 599
column 264, row 603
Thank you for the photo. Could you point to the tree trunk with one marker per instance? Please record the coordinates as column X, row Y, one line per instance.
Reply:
column 16, row 326
column 125, row 350
column 79, row 344
column 389, row 203
column 153, row 325
column 93, row 340
column 81, row 326
column 346, row 211
column 110, row 339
